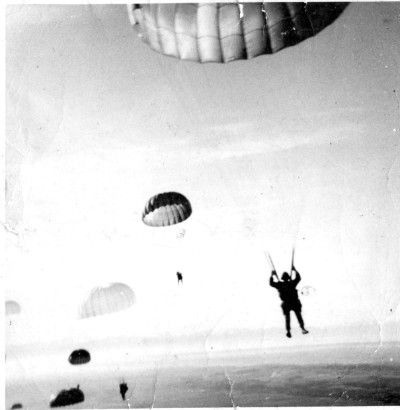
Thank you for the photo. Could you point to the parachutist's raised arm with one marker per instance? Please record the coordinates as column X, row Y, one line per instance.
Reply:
column 271, row 280
column 297, row 279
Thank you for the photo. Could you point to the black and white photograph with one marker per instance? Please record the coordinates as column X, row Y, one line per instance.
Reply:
column 201, row 205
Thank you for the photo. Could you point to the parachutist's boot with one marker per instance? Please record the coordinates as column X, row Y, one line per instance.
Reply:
column 304, row 331
column 288, row 334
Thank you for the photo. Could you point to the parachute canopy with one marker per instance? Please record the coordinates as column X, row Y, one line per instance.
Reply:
column 106, row 299
column 224, row 32
column 68, row 397
column 80, row 356
column 166, row 209
column 12, row 308
column 16, row 406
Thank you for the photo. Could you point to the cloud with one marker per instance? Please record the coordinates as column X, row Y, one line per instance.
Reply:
column 242, row 138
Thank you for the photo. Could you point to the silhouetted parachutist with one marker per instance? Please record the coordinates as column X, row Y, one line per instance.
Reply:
column 123, row 388
column 180, row 277
column 290, row 300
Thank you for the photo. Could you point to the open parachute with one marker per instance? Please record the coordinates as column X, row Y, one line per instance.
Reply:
column 12, row 308
column 107, row 299
column 78, row 357
column 224, row 32
column 166, row 209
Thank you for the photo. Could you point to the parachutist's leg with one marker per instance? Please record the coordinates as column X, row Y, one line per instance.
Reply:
column 300, row 319
column 287, row 319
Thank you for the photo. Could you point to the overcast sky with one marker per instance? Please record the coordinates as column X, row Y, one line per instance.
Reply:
column 295, row 149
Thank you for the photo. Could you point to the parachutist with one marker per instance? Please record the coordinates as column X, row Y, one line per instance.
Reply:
column 123, row 388
column 180, row 277
column 290, row 299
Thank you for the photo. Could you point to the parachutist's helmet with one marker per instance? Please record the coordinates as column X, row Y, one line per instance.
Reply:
column 285, row 276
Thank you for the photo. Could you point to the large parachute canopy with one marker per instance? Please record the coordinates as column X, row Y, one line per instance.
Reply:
column 166, row 209
column 106, row 299
column 80, row 356
column 224, row 32
column 12, row 308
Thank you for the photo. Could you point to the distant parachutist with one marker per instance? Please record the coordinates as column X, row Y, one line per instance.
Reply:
column 123, row 388
column 180, row 277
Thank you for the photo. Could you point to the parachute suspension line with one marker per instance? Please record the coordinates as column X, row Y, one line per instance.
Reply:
column 269, row 259
column 292, row 264
column 294, row 243
column 260, row 244
column 272, row 263
column 269, row 262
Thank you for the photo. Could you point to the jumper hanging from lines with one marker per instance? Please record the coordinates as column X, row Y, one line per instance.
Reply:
column 286, row 287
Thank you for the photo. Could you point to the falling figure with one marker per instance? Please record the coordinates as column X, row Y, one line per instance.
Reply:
column 290, row 299
column 123, row 388
column 180, row 277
